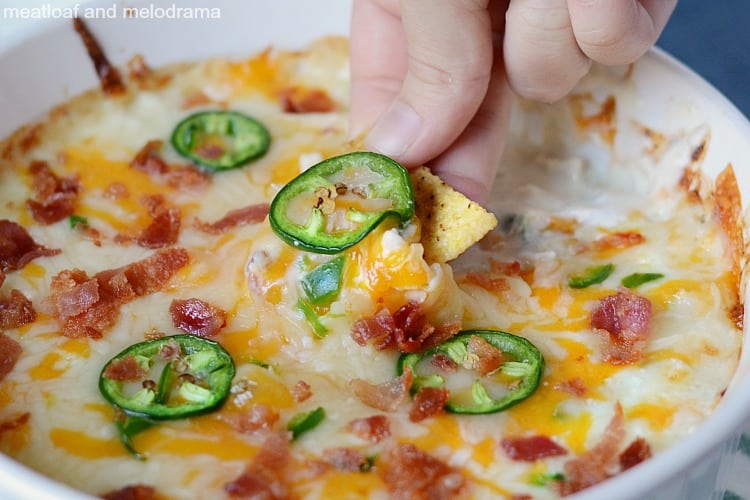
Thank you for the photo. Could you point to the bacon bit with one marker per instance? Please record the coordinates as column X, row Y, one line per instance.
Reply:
column 196, row 317
column 55, row 197
column 136, row 492
column 116, row 191
column 170, row 350
column 109, row 77
column 412, row 473
column 593, row 466
column 301, row 391
column 619, row 241
column 10, row 425
column 487, row 282
column 265, row 477
column 489, row 358
column 444, row 363
column 115, row 287
column 638, row 451
column 305, row 100
column 345, row 459
column 196, row 98
column 624, row 320
column 251, row 214
column 428, row 401
column 165, row 227
column 386, row 396
column 258, row 417
column 377, row 330
column 149, row 159
column 373, row 429
column 531, row 448
column 17, row 248
column 138, row 70
column 187, row 177
column 210, row 151
column 507, row 268
column 407, row 329
column 10, row 351
column 125, row 369
column 16, row 310
column 575, row 386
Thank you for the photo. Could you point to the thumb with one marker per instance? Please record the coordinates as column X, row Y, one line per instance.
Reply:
column 449, row 65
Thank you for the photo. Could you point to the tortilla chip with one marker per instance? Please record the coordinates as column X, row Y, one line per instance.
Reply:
column 451, row 222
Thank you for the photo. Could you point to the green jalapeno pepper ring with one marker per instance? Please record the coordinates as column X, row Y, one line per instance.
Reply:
column 242, row 139
column 312, row 237
column 525, row 356
column 210, row 372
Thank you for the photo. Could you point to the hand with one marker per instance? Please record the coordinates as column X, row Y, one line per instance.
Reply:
column 431, row 79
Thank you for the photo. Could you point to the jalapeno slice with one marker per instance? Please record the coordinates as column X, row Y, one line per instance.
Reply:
column 220, row 140
column 175, row 377
column 334, row 204
column 515, row 379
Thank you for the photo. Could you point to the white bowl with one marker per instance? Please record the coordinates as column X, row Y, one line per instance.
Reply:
column 43, row 62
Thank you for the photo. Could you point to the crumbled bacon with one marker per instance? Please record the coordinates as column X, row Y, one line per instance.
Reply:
column 386, row 396
column 488, row 357
column 619, row 241
column 345, row 459
column 9, row 425
column 265, row 477
column 125, row 369
column 373, row 429
column 109, row 77
column 624, row 320
column 412, row 473
column 10, row 351
column 488, row 282
column 638, row 451
column 135, row 492
column 531, row 448
column 575, row 387
column 301, row 391
column 594, row 466
column 165, row 226
column 149, row 159
column 170, row 350
column 407, row 329
column 15, row 311
column 305, row 100
column 197, row 317
column 428, row 401
column 507, row 268
column 17, row 248
column 89, row 306
column 257, row 417
column 55, row 197
column 444, row 363
column 251, row 214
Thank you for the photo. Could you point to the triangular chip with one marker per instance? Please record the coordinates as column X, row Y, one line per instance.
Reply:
column 451, row 222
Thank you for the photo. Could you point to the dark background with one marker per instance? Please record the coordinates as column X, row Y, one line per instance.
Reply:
column 713, row 38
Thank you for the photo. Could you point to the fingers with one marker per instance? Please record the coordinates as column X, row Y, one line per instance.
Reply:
column 470, row 164
column 378, row 61
column 618, row 31
column 448, row 71
column 542, row 57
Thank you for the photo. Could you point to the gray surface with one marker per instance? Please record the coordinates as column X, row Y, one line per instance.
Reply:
column 713, row 38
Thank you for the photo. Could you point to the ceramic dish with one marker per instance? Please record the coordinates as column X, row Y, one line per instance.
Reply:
column 43, row 63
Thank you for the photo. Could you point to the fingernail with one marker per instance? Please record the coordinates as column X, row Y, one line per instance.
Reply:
column 395, row 131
